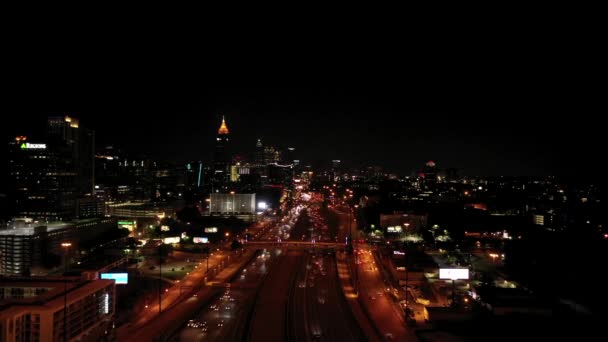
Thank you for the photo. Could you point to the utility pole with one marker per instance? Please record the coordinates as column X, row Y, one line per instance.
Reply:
column 66, row 246
column 160, row 274
column 407, row 269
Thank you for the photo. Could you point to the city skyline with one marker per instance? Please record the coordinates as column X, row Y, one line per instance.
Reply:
column 329, row 252
column 359, row 129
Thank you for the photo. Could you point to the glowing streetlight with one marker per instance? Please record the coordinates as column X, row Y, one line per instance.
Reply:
column 66, row 246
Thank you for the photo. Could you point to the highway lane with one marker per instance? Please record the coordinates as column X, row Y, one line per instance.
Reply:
column 328, row 315
column 181, row 290
column 297, row 304
column 162, row 326
column 347, row 328
column 385, row 313
column 270, row 312
column 177, row 292
column 300, row 231
column 225, row 317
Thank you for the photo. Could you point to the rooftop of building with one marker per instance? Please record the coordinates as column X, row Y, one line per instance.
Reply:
column 140, row 205
column 54, row 297
column 28, row 227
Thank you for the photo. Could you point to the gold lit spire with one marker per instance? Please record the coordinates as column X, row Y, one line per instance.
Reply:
column 223, row 128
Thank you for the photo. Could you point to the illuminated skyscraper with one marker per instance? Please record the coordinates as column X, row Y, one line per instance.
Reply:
column 222, row 158
column 48, row 178
column 430, row 175
column 259, row 153
column 75, row 148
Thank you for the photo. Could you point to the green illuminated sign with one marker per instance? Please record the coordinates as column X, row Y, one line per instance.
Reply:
column 28, row 146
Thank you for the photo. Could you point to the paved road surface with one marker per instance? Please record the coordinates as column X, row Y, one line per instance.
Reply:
column 327, row 309
column 387, row 315
column 231, row 310
column 170, row 320
column 269, row 318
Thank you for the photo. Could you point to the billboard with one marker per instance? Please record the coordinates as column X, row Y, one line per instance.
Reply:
column 232, row 203
column 395, row 229
column 119, row 278
column 200, row 240
column 454, row 273
column 130, row 225
column 171, row 240
column 211, row 230
column 164, row 228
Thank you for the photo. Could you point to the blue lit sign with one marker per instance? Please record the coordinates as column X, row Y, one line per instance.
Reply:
column 120, row 278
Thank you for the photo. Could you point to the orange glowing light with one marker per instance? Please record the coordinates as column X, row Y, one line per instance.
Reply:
column 223, row 128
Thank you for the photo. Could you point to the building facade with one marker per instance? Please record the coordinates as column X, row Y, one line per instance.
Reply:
column 222, row 158
column 232, row 204
column 33, row 309
column 49, row 176
column 27, row 246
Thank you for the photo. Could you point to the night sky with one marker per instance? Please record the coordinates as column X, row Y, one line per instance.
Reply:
column 392, row 127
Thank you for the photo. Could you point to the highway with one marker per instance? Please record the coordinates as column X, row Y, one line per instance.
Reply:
column 325, row 310
column 162, row 326
column 269, row 319
column 225, row 317
column 386, row 314
column 291, row 293
column 177, row 292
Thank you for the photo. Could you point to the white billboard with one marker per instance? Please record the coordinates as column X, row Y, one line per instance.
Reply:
column 211, row 230
column 200, row 240
column 119, row 278
column 171, row 239
column 453, row 273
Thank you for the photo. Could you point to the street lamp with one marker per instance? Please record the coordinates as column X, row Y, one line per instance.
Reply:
column 66, row 247
column 493, row 256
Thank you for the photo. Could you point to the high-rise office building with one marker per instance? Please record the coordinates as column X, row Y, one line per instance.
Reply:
column 259, row 153
column 335, row 170
column 430, row 174
column 34, row 184
column 49, row 177
column 271, row 155
column 222, row 158
column 75, row 147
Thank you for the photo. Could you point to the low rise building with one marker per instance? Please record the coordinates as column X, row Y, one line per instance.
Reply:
column 26, row 244
column 32, row 309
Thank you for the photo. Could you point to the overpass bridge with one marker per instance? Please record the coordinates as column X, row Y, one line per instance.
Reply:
column 270, row 244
